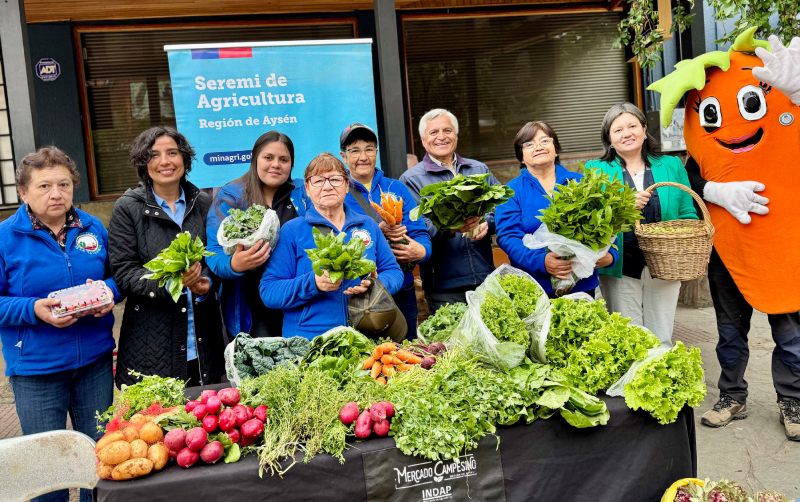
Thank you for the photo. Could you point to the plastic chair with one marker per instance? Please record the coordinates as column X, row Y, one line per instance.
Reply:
column 41, row 463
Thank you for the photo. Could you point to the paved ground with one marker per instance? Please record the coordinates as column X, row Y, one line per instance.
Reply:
column 753, row 451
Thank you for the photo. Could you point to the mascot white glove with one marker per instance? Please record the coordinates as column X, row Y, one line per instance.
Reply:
column 737, row 197
column 781, row 68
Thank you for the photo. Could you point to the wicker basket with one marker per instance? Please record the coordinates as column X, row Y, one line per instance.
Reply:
column 677, row 256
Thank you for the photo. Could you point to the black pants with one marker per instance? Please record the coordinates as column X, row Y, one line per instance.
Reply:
column 439, row 298
column 406, row 301
column 733, row 324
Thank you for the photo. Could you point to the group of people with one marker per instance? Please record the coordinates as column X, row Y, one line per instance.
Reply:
column 64, row 365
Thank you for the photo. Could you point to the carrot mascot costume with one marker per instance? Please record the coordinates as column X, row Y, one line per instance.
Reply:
column 742, row 132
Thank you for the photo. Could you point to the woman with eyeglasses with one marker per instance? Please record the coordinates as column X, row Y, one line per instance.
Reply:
column 267, row 183
column 313, row 304
column 536, row 146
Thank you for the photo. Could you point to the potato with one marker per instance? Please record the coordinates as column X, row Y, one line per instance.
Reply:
column 132, row 468
column 115, row 453
column 108, row 439
column 159, row 455
column 139, row 419
column 104, row 470
column 138, row 449
column 151, row 433
column 131, row 434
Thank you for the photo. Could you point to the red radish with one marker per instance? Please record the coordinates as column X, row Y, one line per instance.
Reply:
column 377, row 412
column 213, row 405
column 261, row 413
column 241, row 414
column 247, row 441
column 187, row 457
column 389, row 407
column 234, row 435
column 212, row 452
column 363, row 425
column 173, row 454
column 381, row 428
column 196, row 438
column 349, row 413
column 200, row 411
column 251, row 413
column 252, row 428
column 227, row 420
column 210, row 423
column 229, row 396
column 191, row 405
column 175, row 440
column 206, row 394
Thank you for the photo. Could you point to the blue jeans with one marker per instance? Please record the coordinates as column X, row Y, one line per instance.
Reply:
column 43, row 402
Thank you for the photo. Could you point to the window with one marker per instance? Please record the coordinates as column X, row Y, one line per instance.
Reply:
column 127, row 85
column 8, row 194
column 496, row 74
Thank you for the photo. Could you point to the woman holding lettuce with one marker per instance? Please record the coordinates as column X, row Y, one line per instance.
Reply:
column 268, row 184
column 632, row 155
column 536, row 146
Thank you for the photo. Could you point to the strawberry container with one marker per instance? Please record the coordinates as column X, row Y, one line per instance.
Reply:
column 82, row 300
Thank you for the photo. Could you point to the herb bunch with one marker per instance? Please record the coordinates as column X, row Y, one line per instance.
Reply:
column 591, row 211
column 139, row 396
column 171, row 263
column 339, row 259
column 242, row 224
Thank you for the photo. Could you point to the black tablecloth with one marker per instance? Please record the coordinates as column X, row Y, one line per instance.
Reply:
column 630, row 459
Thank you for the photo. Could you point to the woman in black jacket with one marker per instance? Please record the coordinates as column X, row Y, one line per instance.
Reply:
column 159, row 336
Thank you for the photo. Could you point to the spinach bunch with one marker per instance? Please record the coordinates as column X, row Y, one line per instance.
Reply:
column 450, row 203
column 339, row 259
column 523, row 292
column 171, row 263
column 338, row 354
column 500, row 317
column 438, row 327
column 242, row 224
column 591, row 211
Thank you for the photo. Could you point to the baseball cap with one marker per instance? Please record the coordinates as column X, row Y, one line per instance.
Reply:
column 375, row 313
column 356, row 126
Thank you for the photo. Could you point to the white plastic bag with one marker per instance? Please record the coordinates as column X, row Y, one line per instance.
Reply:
column 269, row 231
column 583, row 258
column 473, row 334
column 618, row 389
column 538, row 351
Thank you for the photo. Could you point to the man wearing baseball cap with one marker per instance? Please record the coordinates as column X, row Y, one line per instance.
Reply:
column 410, row 240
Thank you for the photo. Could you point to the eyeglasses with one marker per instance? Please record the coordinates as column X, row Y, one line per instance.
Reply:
column 544, row 143
column 355, row 153
column 319, row 181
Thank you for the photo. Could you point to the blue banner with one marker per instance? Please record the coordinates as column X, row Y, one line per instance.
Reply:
column 227, row 95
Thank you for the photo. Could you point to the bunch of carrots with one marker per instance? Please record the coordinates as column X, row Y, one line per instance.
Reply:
column 390, row 209
column 386, row 360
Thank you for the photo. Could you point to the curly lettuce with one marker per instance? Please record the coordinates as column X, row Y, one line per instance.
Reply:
column 572, row 324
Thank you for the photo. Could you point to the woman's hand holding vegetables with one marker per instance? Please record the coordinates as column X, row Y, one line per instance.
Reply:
column 42, row 310
column 469, row 225
column 557, row 267
column 361, row 288
column 407, row 253
column 324, row 283
column 605, row 261
column 642, row 198
column 191, row 276
column 244, row 260
column 108, row 307
column 392, row 232
column 484, row 229
column 201, row 287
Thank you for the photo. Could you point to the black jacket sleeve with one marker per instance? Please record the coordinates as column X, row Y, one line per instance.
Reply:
column 696, row 181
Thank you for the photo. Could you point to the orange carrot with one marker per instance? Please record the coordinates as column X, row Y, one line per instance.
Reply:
column 368, row 363
column 388, row 347
column 388, row 370
column 387, row 359
column 404, row 355
column 381, row 380
column 404, row 367
column 396, row 360
column 398, row 210
column 377, row 353
column 376, row 369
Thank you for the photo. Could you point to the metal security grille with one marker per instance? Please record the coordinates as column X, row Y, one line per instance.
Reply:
column 8, row 194
column 128, row 88
column 495, row 74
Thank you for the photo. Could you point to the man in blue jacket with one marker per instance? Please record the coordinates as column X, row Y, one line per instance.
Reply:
column 410, row 241
column 457, row 264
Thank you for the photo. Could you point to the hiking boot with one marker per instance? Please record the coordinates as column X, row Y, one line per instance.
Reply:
column 724, row 411
column 790, row 417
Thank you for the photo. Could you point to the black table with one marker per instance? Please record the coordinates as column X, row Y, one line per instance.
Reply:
column 630, row 459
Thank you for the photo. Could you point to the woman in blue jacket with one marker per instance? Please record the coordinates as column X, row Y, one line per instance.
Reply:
column 536, row 146
column 55, row 365
column 312, row 304
column 267, row 184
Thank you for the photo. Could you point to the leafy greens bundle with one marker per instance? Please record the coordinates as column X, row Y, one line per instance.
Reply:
column 591, row 211
column 338, row 354
column 257, row 356
column 139, row 396
column 572, row 324
column 438, row 327
column 339, row 259
column 171, row 263
column 500, row 317
column 450, row 203
column 523, row 292
column 664, row 384
column 242, row 224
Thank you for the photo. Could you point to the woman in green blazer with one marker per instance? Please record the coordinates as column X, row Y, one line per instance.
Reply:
column 632, row 155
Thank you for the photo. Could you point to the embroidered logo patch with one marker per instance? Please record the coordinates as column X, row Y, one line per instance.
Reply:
column 364, row 236
column 89, row 243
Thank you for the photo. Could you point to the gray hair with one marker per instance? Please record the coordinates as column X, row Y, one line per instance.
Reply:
column 651, row 146
column 435, row 114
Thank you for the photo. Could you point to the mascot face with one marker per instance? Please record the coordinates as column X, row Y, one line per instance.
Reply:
column 735, row 125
